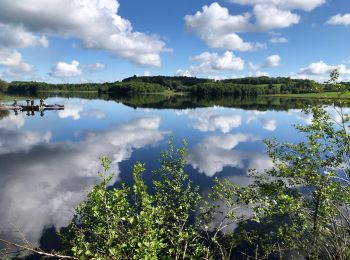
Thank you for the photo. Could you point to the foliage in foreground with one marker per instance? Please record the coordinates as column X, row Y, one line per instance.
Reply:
column 298, row 209
column 132, row 223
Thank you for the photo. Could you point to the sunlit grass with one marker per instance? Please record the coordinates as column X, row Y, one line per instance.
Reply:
column 322, row 95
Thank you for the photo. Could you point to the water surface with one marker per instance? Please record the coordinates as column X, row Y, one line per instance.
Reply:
column 48, row 163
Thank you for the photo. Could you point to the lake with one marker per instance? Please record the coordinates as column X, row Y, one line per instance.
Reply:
column 48, row 162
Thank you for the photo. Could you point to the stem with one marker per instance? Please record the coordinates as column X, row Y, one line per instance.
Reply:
column 37, row 251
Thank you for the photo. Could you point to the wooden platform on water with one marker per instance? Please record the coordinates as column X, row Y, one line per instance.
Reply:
column 32, row 108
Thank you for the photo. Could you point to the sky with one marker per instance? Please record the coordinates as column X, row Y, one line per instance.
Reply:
column 82, row 41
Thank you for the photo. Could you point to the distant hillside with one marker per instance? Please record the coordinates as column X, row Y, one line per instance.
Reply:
column 240, row 87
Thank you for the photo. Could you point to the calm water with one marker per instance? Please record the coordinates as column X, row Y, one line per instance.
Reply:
column 48, row 163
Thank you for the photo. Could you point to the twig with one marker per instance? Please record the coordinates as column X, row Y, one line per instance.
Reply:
column 37, row 251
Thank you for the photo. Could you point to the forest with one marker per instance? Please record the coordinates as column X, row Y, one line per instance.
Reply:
column 240, row 87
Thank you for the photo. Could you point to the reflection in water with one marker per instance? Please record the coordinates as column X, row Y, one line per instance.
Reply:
column 41, row 184
column 267, row 123
column 216, row 152
column 210, row 120
column 71, row 110
column 47, row 164
column 12, row 121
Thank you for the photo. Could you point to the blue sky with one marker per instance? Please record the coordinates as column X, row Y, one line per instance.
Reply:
column 108, row 40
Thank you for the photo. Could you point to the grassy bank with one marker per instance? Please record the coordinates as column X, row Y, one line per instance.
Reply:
column 167, row 93
column 322, row 95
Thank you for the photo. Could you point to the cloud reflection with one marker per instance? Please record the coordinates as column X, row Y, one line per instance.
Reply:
column 40, row 186
column 216, row 152
column 71, row 111
column 12, row 121
column 210, row 120
column 267, row 123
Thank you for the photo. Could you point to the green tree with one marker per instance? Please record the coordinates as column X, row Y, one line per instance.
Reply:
column 302, row 205
column 131, row 223
column 3, row 86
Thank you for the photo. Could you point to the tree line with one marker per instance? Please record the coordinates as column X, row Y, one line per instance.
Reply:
column 241, row 87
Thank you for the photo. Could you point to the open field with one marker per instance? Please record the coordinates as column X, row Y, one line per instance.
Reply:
column 322, row 95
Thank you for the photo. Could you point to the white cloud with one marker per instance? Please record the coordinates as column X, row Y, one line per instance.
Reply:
column 66, row 70
column 183, row 73
column 14, row 64
column 306, row 5
column 278, row 40
column 218, row 28
column 272, row 61
column 319, row 71
column 96, row 23
column 44, row 41
column 15, row 37
column 214, row 62
column 340, row 19
column 258, row 74
column 253, row 66
column 98, row 66
column 10, row 58
column 94, row 67
column 270, row 17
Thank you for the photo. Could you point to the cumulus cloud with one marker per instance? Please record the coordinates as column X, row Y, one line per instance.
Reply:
column 218, row 28
column 270, row 17
column 272, row 61
column 213, row 61
column 319, row 71
column 340, row 19
column 14, row 64
column 183, row 73
column 46, row 181
column 15, row 36
column 10, row 59
column 66, row 70
column 96, row 23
